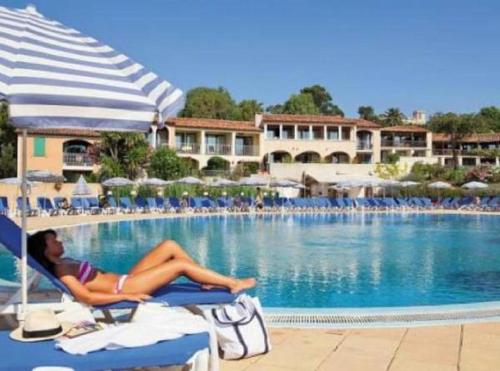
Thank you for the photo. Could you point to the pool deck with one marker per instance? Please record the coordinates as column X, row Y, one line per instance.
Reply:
column 456, row 347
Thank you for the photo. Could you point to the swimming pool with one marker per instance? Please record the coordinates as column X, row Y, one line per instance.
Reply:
column 321, row 260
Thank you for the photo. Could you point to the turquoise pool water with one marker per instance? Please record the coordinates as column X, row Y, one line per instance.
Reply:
column 318, row 261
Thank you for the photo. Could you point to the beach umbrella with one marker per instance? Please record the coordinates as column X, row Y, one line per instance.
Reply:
column 155, row 182
column 284, row 183
column 17, row 182
column 408, row 183
column 82, row 188
column 223, row 183
column 253, row 181
column 389, row 183
column 54, row 77
column 190, row 180
column 439, row 185
column 475, row 185
column 118, row 182
column 44, row 176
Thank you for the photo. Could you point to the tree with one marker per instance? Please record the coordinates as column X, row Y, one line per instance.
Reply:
column 301, row 104
column 8, row 144
column 247, row 109
column 275, row 109
column 209, row 103
column 392, row 117
column 456, row 127
column 491, row 116
column 165, row 164
column 122, row 154
column 367, row 113
column 323, row 100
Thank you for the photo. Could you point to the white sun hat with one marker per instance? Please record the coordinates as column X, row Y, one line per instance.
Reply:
column 40, row 325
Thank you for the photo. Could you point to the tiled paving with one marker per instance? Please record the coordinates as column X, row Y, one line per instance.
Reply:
column 470, row 347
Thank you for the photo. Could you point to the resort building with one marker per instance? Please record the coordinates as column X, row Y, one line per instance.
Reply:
column 284, row 146
column 405, row 140
column 202, row 139
column 319, row 139
column 60, row 151
column 477, row 149
column 418, row 117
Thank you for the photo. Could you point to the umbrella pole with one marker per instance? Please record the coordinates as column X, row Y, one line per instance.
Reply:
column 24, row 242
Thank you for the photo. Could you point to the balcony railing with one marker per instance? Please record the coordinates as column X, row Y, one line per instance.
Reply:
column 189, row 148
column 363, row 146
column 77, row 159
column 403, row 143
column 218, row 149
column 246, row 150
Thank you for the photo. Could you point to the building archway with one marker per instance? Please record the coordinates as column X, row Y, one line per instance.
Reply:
column 308, row 157
column 338, row 158
column 278, row 157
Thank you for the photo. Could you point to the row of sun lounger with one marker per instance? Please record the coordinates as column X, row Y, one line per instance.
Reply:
column 90, row 205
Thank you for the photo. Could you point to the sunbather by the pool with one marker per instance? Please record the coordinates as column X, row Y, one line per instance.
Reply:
column 163, row 264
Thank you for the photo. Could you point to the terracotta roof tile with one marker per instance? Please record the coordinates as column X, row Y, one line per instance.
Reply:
column 317, row 119
column 64, row 132
column 189, row 122
column 487, row 137
column 406, row 129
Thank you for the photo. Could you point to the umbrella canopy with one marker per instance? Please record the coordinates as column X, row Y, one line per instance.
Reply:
column 439, row 185
column 82, row 188
column 285, row 183
column 16, row 181
column 408, row 183
column 390, row 183
column 155, row 182
column 221, row 183
column 55, row 77
column 118, row 182
column 190, row 180
column 475, row 185
column 44, row 176
column 253, row 181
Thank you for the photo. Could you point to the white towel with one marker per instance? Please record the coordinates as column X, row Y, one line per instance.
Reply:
column 151, row 324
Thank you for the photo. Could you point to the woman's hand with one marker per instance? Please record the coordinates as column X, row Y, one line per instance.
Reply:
column 140, row 298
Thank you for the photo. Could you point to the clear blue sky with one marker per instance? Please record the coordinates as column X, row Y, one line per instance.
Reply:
column 436, row 55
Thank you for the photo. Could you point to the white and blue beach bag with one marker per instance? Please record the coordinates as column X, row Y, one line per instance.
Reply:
column 240, row 328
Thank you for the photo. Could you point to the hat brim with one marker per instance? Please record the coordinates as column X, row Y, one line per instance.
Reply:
column 17, row 334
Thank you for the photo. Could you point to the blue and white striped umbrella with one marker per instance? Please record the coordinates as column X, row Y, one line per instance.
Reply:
column 55, row 77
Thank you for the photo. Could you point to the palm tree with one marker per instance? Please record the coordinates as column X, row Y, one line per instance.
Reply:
column 392, row 117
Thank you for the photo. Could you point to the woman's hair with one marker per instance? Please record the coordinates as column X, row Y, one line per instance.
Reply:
column 36, row 248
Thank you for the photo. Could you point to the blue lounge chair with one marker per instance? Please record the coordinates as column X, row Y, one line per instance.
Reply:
column 162, row 204
column 172, row 294
column 46, row 207
column 174, row 204
column 29, row 210
column 93, row 205
column 77, row 205
column 152, row 205
column 126, row 205
column 141, row 205
column 27, row 356
column 4, row 206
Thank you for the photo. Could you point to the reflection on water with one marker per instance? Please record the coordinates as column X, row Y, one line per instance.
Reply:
column 348, row 260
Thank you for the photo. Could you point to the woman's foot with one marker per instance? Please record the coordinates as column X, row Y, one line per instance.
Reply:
column 243, row 284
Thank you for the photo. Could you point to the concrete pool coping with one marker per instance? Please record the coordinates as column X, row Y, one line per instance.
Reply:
column 321, row 317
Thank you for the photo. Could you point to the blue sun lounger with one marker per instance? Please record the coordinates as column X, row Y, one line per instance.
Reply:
column 27, row 356
column 172, row 294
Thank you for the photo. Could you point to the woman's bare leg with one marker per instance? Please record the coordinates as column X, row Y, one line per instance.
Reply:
column 161, row 253
column 150, row 280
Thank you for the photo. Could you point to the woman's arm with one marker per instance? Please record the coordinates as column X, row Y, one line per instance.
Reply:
column 86, row 296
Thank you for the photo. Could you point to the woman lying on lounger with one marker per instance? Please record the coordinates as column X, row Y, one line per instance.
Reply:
column 160, row 266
